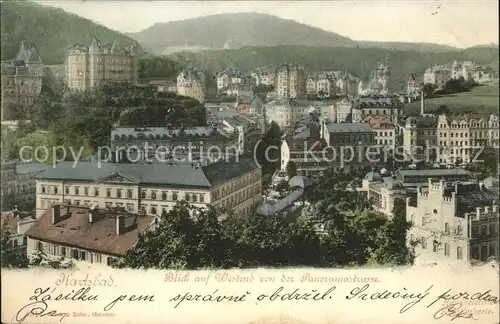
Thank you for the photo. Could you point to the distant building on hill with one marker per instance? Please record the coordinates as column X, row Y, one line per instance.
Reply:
column 21, row 80
column 94, row 65
column 191, row 83
column 437, row 75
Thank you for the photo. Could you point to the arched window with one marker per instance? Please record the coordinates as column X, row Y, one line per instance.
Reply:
column 153, row 210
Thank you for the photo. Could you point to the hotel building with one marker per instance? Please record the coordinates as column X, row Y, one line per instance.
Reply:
column 229, row 185
column 97, row 64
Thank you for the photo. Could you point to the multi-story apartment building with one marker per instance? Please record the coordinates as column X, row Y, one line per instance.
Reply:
column 291, row 81
column 231, row 77
column 332, row 83
column 454, row 222
column 21, row 81
column 437, row 75
column 230, row 185
column 202, row 141
column 385, row 131
column 264, row 76
column 350, row 142
column 325, row 86
column 89, row 236
column 463, row 69
column 386, row 107
column 191, row 83
column 344, row 109
column 460, row 136
column 308, row 155
column 97, row 64
column 287, row 112
column 420, row 137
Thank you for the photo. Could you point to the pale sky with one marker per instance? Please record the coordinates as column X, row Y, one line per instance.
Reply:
column 459, row 23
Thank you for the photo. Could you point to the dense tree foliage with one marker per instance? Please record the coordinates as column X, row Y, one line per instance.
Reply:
column 11, row 257
column 158, row 67
column 350, row 233
column 391, row 241
column 192, row 238
column 83, row 120
column 268, row 150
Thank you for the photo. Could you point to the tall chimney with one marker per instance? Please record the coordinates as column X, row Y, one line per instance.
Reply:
column 56, row 213
column 91, row 215
column 422, row 102
column 120, row 224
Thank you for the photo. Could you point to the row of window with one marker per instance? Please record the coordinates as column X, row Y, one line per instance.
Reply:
column 124, row 193
column 74, row 253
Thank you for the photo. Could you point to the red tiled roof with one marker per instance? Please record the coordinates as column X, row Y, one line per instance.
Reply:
column 74, row 229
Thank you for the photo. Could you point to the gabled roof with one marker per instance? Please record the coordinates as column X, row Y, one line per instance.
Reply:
column 74, row 229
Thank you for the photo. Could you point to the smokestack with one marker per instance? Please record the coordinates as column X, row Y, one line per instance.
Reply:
column 120, row 224
column 422, row 102
column 56, row 213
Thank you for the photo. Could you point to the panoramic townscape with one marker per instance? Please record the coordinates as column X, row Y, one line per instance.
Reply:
column 169, row 148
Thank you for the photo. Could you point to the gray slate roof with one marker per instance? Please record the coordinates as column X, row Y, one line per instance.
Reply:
column 184, row 175
column 434, row 172
column 26, row 168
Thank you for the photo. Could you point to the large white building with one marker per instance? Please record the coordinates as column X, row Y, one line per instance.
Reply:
column 454, row 222
column 287, row 112
column 459, row 137
column 437, row 75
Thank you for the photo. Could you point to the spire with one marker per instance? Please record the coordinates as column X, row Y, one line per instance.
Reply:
column 21, row 55
column 114, row 46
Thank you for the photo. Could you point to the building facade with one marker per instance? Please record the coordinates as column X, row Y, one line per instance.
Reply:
column 454, row 222
column 264, row 76
column 98, row 64
column 287, row 112
column 389, row 107
column 437, row 75
column 385, row 131
column 460, row 137
column 191, row 83
column 420, row 137
column 350, row 142
column 231, row 185
column 290, row 81
column 230, row 78
column 21, row 81
column 199, row 142
column 18, row 183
